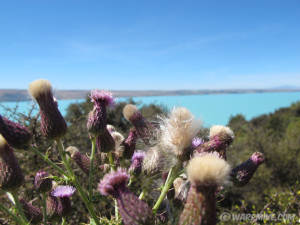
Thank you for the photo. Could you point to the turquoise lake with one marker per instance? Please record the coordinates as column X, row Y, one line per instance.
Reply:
column 211, row 109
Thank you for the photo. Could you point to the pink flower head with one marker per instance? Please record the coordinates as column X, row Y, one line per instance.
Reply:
column 112, row 181
column 136, row 162
column 138, row 156
column 63, row 191
column 197, row 142
column 98, row 96
column 258, row 158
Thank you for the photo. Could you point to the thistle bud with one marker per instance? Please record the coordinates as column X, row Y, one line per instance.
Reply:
column 129, row 144
column 97, row 118
column 42, row 182
column 82, row 160
column 205, row 173
column 196, row 142
column 142, row 126
column 105, row 142
column 136, row 162
column 11, row 176
column 220, row 138
column 16, row 135
column 53, row 124
column 242, row 174
column 32, row 213
column 133, row 210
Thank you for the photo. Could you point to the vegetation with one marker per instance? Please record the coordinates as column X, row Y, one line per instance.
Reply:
column 274, row 188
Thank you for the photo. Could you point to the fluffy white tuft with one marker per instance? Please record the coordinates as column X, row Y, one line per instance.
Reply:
column 110, row 128
column 38, row 87
column 153, row 161
column 118, row 138
column 129, row 110
column 178, row 130
column 3, row 142
column 72, row 150
column 208, row 169
column 217, row 129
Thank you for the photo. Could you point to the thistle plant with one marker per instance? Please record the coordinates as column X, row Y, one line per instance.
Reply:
column 139, row 183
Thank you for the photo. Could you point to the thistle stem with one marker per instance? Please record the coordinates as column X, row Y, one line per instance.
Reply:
column 44, row 199
column 116, row 210
column 46, row 159
column 63, row 221
column 142, row 195
column 172, row 175
column 113, row 168
column 74, row 180
column 111, row 161
column 91, row 172
column 15, row 217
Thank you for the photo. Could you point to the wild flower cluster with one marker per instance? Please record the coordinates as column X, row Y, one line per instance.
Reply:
column 188, row 172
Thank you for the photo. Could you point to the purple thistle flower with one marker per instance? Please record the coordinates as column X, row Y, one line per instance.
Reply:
column 133, row 210
column 42, row 182
column 113, row 180
column 129, row 144
column 215, row 144
column 11, row 176
column 137, row 162
column 97, row 118
column 15, row 134
column 196, row 142
column 58, row 202
column 62, row 191
column 242, row 174
column 257, row 158
column 102, row 96
column 32, row 213
column 58, row 207
column 53, row 124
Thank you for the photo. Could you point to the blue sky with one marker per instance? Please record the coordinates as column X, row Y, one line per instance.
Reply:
column 157, row 44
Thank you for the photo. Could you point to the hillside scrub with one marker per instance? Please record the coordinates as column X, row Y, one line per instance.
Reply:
column 111, row 162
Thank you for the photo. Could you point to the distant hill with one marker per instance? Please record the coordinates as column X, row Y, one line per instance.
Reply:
column 22, row 95
column 286, row 87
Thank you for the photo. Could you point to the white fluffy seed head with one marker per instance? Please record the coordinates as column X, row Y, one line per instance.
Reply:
column 72, row 150
column 178, row 130
column 129, row 110
column 218, row 129
column 152, row 162
column 110, row 128
column 39, row 87
column 208, row 169
column 3, row 143
column 118, row 138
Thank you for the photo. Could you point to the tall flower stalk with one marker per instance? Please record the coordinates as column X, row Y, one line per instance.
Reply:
column 91, row 169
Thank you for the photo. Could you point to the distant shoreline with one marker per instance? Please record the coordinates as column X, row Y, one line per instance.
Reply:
column 14, row 95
